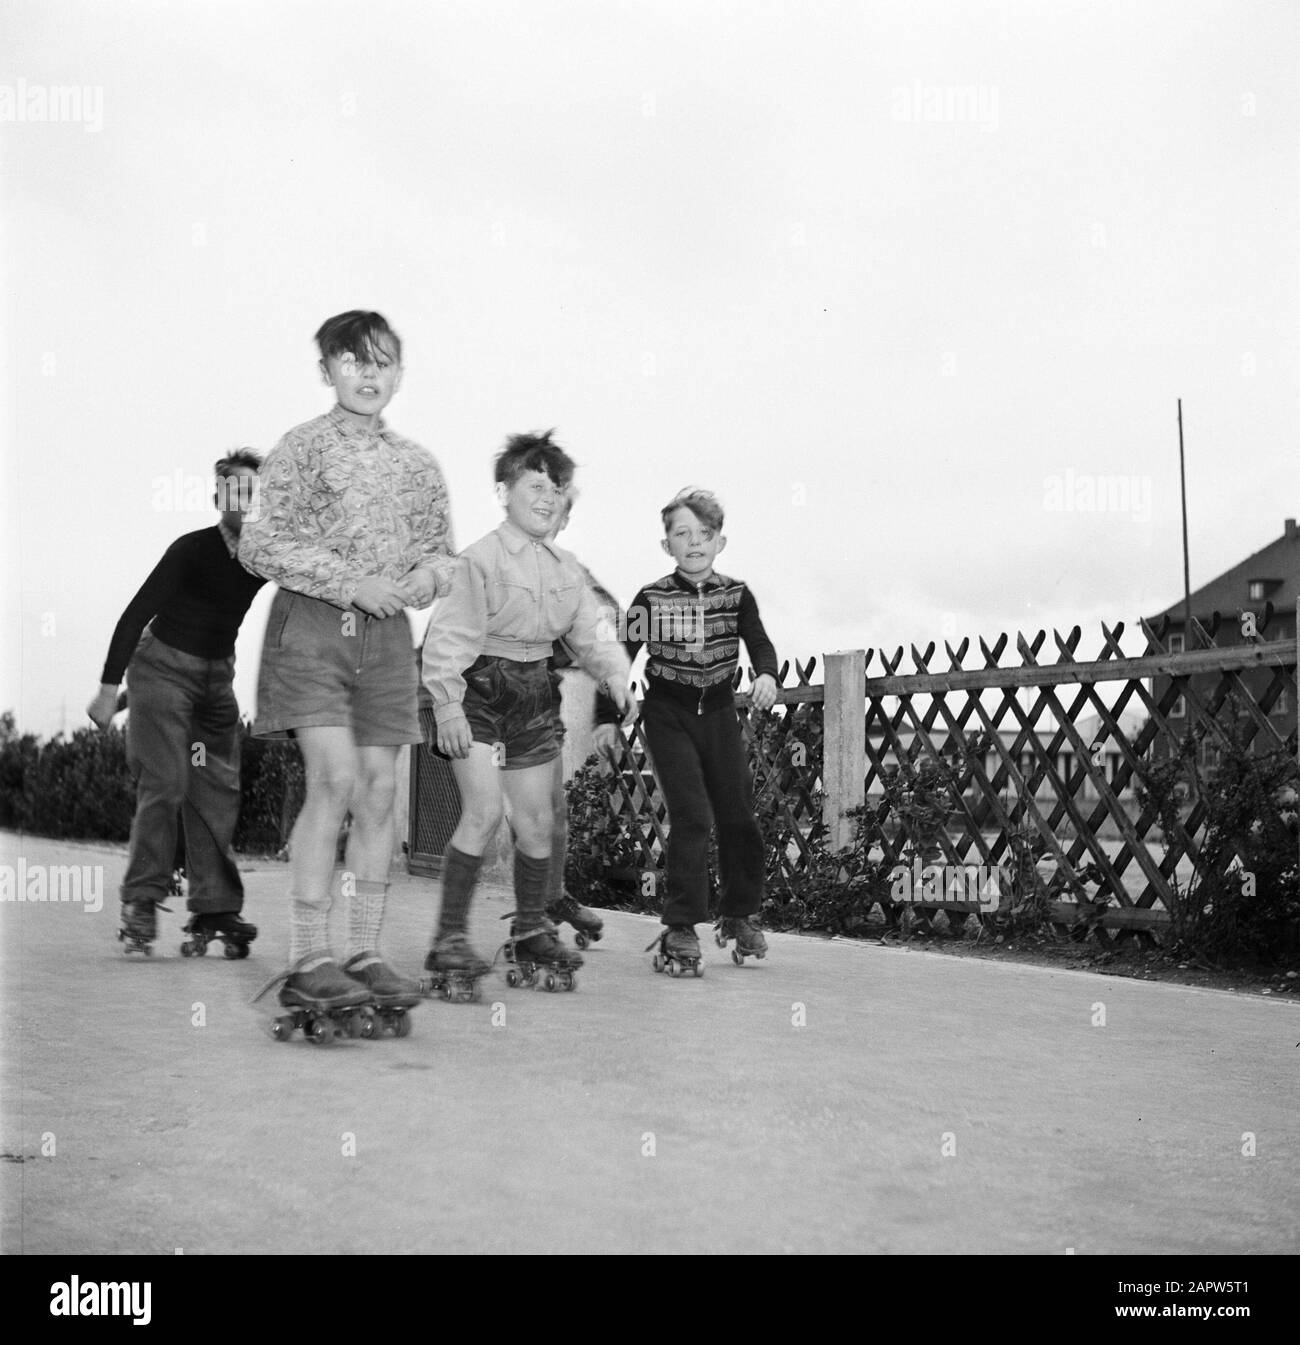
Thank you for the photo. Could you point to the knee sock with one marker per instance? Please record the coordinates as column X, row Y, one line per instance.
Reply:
column 555, row 874
column 366, row 898
column 309, row 934
column 459, row 876
column 530, row 888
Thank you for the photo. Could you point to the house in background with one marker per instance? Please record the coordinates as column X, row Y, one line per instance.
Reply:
column 1240, row 596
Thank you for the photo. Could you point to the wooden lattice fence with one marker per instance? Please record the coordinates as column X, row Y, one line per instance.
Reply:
column 1051, row 815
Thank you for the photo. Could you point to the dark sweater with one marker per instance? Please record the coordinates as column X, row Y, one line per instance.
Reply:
column 692, row 635
column 196, row 597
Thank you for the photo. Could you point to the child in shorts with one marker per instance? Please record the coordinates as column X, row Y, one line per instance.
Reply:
column 691, row 622
column 486, row 667
column 354, row 526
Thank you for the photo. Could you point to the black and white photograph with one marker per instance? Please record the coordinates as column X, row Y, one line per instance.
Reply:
column 650, row 627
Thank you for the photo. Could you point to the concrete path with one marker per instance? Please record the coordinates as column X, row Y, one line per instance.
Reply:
column 837, row 1097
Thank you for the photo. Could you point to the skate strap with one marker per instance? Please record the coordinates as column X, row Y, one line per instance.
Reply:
column 278, row 979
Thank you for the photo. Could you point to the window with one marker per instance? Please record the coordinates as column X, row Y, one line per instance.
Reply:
column 1281, row 704
column 1180, row 709
column 1177, row 642
column 1256, row 590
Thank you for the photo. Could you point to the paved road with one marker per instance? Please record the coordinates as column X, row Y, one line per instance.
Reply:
column 838, row 1097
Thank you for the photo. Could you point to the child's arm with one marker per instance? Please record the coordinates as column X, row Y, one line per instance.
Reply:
column 452, row 642
column 607, row 714
column 164, row 580
column 432, row 572
column 597, row 649
column 762, row 653
column 282, row 539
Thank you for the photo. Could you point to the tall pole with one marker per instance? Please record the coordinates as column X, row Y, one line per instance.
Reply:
column 1187, row 583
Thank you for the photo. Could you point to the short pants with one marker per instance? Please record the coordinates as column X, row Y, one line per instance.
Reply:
column 324, row 667
column 511, row 706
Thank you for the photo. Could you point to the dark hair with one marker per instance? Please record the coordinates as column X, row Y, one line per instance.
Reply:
column 357, row 333
column 533, row 453
column 240, row 457
column 704, row 504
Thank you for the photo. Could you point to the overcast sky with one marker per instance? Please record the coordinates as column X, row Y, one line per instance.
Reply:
column 914, row 287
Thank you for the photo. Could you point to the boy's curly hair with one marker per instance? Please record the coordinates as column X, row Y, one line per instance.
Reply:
column 704, row 504
column 533, row 453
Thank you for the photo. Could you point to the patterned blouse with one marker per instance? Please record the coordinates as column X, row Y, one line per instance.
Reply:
column 338, row 504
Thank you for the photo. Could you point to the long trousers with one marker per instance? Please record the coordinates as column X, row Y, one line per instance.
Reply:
column 182, row 746
column 701, row 765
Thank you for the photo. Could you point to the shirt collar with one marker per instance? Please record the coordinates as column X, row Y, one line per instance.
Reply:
column 515, row 539
column 231, row 541
column 340, row 421
column 713, row 581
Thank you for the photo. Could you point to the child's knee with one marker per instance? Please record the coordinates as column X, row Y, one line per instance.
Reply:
column 334, row 784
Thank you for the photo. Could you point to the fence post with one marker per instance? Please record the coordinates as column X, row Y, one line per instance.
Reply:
column 844, row 751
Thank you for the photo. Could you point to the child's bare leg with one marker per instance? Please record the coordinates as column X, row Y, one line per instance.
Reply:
column 330, row 764
column 368, row 860
column 559, row 833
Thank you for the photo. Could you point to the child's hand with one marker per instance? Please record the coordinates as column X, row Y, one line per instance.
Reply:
column 455, row 738
column 420, row 588
column 379, row 597
column 604, row 739
column 103, row 707
column 622, row 698
column 763, row 694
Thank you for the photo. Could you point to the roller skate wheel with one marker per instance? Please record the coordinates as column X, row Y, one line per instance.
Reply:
column 657, row 962
column 550, row 981
column 699, row 970
column 187, row 949
column 581, row 939
column 233, row 950
column 243, row 950
column 282, row 1029
column 369, row 1028
column 720, row 937
column 671, row 969
column 402, row 1024
column 512, row 978
column 738, row 957
column 320, row 1031
column 570, row 981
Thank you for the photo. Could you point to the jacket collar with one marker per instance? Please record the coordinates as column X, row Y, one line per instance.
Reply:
column 515, row 539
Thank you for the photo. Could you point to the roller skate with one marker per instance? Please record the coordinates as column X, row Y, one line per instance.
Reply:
column 323, row 1003
column 235, row 934
column 587, row 925
column 679, row 951
column 455, row 970
column 140, row 924
column 749, row 938
column 391, row 995
column 538, row 954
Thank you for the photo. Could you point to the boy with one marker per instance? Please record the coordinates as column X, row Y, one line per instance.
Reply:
column 691, row 622
column 486, row 666
column 182, row 736
column 354, row 528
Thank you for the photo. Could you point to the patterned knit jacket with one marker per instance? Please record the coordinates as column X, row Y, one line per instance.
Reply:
column 692, row 636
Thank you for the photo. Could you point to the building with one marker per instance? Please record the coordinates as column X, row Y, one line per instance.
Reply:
column 1242, row 597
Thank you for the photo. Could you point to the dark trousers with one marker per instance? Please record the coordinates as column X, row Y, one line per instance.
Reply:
column 182, row 745
column 701, row 766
